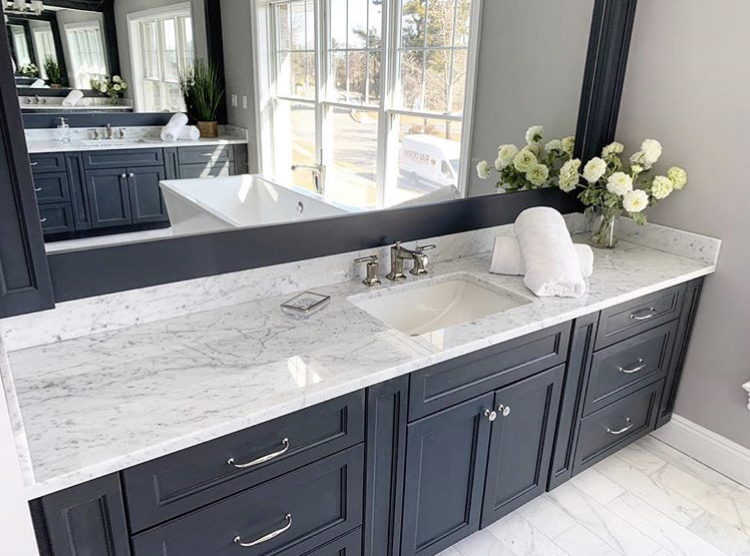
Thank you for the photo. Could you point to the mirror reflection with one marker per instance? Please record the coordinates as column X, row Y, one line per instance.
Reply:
column 314, row 109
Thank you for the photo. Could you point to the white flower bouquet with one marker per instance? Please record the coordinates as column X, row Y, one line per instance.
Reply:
column 610, row 188
column 113, row 87
column 532, row 167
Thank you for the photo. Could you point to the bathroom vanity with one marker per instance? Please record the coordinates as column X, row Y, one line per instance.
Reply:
column 341, row 434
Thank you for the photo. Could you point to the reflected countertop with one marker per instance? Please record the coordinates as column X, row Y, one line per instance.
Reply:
column 99, row 404
column 36, row 146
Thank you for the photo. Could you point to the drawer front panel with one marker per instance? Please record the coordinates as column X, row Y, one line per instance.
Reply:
column 348, row 545
column 47, row 162
column 52, row 187
column 301, row 510
column 606, row 431
column 123, row 157
column 622, row 368
column 178, row 483
column 628, row 319
column 210, row 170
column 461, row 379
column 201, row 155
column 56, row 218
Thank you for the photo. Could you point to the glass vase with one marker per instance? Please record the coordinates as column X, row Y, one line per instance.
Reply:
column 604, row 232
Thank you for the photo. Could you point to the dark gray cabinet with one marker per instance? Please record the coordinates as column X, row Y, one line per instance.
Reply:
column 146, row 201
column 446, row 463
column 521, row 443
column 109, row 198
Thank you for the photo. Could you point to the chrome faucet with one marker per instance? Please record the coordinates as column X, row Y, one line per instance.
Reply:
column 400, row 254
column 318, row 173
column 110, row 131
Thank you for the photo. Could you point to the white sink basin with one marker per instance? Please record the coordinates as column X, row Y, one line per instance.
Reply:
column 114, row 142
column 425, row 307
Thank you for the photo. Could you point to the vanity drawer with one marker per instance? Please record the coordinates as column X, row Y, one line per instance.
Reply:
column 47, row 162
column 305, row 508
column 461, row 379
column 178, row 483
column 56, row 218
column 348, row 545
column 631, row 318
column 609, row 429
column 123, row 158
column 210, row 170
column 52, row 187
column 619, row 369
column 208, row 153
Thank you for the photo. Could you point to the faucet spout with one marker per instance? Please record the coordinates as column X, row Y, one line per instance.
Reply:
column 318, row 173
column 399, row 254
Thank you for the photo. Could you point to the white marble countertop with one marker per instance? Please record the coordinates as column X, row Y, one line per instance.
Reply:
column 52, row 146
column 101, row 403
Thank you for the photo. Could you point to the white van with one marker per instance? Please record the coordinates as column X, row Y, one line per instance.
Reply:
column 429, row 161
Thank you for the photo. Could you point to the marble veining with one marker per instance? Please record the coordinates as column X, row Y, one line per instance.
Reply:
column 96, row 404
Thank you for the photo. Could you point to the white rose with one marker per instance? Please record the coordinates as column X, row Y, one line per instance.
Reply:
column 678, row 176
column 538, row 174
column 619, row 184
column 116, row 78
column 635, row 201
column 651, row 149
column 505, row 155
column 613, row 149
column 661, row 187
column 117, row 88
column 103, row 89
column 483, row 170
column 524, row 160
column 123, row 85
column 569, row 175
column 534, row 134
column 594, row 170
column 554, row 146
column 568, row 144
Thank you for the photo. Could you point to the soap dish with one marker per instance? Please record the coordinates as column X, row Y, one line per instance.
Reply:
column 305, row 304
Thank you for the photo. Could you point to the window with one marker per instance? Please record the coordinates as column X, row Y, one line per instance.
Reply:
column 44, row 43
column 87, row 55
column 377, row 97
column 20, row 45
column 162, row 49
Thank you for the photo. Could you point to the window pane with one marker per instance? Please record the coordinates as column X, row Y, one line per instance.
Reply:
column 428, row 157
column 169, row 31
column 338, row 24
column 352, row 179
column 376, row 23
column 458, row 81
column 373, row 95
column 338, row 70
column 299, row 26
column 294, row 141
column 411, row 80
column 283, row 27
column 463, row 22
column 358, row 23
column 440, row 22
column 413, row 22
column 357, row 76
column 437, row 80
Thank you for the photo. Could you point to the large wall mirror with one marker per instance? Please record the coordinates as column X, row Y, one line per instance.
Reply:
column 326, row 108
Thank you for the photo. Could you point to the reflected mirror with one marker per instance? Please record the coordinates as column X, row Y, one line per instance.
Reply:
column 324, row 107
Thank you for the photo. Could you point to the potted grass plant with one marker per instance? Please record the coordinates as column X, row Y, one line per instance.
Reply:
column 202, row 90
column 54, row 72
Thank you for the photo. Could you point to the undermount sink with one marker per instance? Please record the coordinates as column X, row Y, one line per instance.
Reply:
column 113, row 142
column 424, row 307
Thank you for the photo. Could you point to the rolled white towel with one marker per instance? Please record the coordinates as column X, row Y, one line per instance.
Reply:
column 552, row 268
column 73, row 98
column 39, row 84
column 171, row 132
column 190, row 133
column 508, row 259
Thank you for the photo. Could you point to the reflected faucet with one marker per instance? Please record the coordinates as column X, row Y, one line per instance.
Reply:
column 318, row 174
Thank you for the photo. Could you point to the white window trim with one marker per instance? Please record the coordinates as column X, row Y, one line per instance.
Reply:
column 84, row 26
column 264, row 64
column 134, row 38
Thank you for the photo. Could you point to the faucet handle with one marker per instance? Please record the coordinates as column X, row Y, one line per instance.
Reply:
column 423, row 248
column 372, row 270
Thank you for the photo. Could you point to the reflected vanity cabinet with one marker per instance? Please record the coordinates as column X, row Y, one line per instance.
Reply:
column 407, row 467
column 118, row 190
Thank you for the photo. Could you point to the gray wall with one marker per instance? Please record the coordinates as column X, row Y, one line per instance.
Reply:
column 687, row 85
column 239, row 70
column 125, row 7
column 531, row 60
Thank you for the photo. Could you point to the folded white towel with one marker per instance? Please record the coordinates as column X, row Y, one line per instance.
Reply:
column 171, row 132
column 73, row 98
column 39, row 84
column 508, row 259
column 552, row 268
column 190, row 133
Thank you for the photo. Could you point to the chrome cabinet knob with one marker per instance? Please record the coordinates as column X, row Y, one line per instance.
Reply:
column 123, row 176
column 131, row 175
column 503, row 410
column 491, row 415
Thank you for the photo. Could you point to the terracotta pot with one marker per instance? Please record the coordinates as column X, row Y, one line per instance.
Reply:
column 209, row 130
column 55, row 86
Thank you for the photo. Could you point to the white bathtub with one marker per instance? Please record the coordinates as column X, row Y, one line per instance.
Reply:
column 207, row 205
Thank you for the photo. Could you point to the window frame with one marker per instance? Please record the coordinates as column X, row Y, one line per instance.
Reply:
column 69, row 32
column 264, row 28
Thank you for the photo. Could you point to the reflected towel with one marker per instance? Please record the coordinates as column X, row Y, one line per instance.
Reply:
column 39, row 84
column 508, row 259
column 171, row 132
column 552, row 268
column 190, row 133
column 73, row 98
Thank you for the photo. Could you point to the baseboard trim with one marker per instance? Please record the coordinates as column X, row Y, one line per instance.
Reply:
column 715, row 451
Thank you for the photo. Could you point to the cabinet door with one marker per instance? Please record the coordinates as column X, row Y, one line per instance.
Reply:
column 146, row 202
column 446, row 461
column 521, row 444
column 108, row 197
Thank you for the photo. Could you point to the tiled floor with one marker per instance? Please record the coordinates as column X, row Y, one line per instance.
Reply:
column 647, row 500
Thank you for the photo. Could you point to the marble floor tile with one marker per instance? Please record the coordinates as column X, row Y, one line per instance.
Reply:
column 579, row 541
column 523, row 539
column 547, row 517
column 598, row 486
column 732, row 541
column 482, row 543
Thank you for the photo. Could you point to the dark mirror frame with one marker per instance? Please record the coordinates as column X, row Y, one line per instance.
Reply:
column 32, row 281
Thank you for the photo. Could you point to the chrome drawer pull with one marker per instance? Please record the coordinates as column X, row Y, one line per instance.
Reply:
column 643, row 314
column 263, row 459
column 37, row 189
column 640, row 367
column 33, row 163
column 268, row 537
column 627, row 427
column 43, row 220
